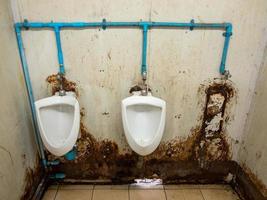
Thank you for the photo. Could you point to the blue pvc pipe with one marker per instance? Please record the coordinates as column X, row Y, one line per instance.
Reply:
column 227, row 36
column 30, row 94
column 119, row 24
column 59, row 51
column 144, row 50
column 144, row 25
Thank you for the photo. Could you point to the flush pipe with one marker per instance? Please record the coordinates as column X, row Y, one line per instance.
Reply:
column 144, row 66
column 57, row 26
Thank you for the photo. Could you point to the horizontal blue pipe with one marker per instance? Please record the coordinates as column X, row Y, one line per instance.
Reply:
column 30, row 95
column 144, row 25
column 120, row 24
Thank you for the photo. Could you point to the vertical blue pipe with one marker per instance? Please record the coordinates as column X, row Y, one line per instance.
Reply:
column 59, row 50
column 30, row 94
column 227, row 36
column 144, row 49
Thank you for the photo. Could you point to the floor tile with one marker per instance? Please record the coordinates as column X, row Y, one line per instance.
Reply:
column 111, row 187
column 218, row 194
column 53, row 187
column 181, row 186
column 184, row 194
column 136, row 194
column 49, row 194
column 174, row 194
column 215, row 186
column 76, row 187
column 112, row 194
column 74, row 195
column 192, row 194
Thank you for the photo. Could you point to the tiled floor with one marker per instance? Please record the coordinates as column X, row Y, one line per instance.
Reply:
column 134, row 192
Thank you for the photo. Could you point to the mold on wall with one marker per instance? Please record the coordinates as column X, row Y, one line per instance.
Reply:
column 17, row 147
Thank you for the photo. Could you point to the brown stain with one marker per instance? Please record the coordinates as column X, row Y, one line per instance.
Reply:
column 68, row 86
column 212, row 145
column 174, row 160
column 256, row 181
column 32, row 179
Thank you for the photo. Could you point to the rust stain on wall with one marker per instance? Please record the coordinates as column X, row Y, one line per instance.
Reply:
column 174, row 159
column 32, row 179
column 258, row 183
column 67, row 85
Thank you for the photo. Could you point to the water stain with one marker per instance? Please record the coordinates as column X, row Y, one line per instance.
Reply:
column 32, row 179
column 176, row 160
column 68, row 86
column 256, row 181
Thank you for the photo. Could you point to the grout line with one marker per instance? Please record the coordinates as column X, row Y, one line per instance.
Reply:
column 56, row 192
column 202, row 194
column 165, row 192
column 92, row 195
column 128, row 191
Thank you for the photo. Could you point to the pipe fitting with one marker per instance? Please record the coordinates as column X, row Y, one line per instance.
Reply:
column 192, row 25
column 144, row 76
column 60, row 78
column 104, row 25
column 227, row 74
column 26, row 24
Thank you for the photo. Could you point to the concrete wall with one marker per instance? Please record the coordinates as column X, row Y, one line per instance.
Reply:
column 253, row 154
column 105, row 64
column 17, row 147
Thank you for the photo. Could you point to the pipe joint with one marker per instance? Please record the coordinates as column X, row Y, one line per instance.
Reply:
column 192, row 25
column 228, row 30
column 26, row 24
column 145, row 27
column 227, row 34
column 104, row 24
column 57, row 29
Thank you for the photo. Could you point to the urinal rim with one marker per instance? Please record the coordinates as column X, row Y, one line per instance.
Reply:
column 129, row 136
column 65, row 100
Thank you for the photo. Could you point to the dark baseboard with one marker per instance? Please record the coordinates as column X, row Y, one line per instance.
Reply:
column 42, row 187
column 245, row 187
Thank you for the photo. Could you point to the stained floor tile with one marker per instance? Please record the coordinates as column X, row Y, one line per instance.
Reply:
column 219, row 194
column 111, row 187
column 49, row 194
column 174, row 194
column 181, row 186
column 135, row 192
column 74, row 195
column 112, row 194
column 184, row 194
column 147, row 194
column 76, row 187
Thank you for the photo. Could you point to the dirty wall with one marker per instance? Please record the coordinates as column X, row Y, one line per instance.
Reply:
column 205, row 114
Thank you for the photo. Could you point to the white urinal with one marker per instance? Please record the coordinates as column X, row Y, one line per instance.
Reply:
column 58, row 119
column 143, row 120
